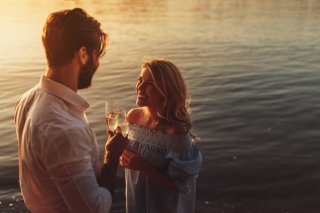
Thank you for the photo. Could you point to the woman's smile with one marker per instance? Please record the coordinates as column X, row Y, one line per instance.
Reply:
column 141, row 96
column 147, row 93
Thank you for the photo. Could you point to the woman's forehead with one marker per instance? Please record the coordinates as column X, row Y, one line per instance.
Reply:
column 146, row 74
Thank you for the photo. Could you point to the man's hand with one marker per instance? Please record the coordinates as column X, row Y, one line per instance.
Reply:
column 115, row 145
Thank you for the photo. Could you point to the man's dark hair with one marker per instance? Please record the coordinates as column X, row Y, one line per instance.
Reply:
column 66, row 31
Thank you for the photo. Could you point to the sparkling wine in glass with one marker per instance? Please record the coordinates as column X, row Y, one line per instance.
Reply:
column 116, row 116
column 122, row 121
column 112, row 115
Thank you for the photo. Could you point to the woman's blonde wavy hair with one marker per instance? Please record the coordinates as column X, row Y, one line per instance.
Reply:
column 171, row 85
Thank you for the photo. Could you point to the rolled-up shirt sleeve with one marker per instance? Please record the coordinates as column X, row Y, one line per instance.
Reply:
column 184, row 166
column 68, row 160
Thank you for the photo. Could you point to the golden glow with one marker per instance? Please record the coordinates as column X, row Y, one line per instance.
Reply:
column 156, row 22
column 21, row 24
column 20, row 29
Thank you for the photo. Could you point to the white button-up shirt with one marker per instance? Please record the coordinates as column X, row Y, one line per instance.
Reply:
column 58, row 152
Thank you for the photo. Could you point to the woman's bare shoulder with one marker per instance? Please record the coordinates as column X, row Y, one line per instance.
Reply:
column 134, row 114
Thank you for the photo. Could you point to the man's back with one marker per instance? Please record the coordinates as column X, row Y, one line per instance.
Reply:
column 58, row 154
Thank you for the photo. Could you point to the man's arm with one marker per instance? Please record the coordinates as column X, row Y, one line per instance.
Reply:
column 68, row 162
column 113, row 150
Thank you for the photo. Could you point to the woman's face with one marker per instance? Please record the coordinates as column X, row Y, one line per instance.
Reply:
column 147, row 93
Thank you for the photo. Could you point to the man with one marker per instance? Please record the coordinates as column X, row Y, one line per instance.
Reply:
column 58, row 153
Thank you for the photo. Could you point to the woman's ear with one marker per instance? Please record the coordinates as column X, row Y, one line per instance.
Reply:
column 83, row 55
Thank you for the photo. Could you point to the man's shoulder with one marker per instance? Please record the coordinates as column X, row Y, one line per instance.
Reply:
column 24, row 104
column 28, row 96
column 51, row 117
column 45, row 108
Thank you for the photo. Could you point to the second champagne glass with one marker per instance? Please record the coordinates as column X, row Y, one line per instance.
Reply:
column 122, row 121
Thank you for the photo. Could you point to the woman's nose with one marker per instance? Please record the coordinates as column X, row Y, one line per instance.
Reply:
column 140, row 86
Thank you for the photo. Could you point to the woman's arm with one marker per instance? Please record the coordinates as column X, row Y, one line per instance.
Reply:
column 132, row 160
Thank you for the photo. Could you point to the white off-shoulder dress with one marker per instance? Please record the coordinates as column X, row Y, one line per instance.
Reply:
column 177, row 156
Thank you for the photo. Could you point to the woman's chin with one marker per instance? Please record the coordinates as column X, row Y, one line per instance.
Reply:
column 140, row 103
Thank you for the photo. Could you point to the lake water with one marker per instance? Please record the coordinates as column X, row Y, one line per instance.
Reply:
column 252, row 68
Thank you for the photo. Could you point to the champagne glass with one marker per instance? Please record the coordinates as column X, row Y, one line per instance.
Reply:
column 122, row 121
column 111, row 114
column 116, row 116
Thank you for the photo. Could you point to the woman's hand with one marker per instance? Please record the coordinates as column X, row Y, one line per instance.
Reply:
column 133, row 160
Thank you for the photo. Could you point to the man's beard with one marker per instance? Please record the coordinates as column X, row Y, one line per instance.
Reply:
column 86, row 74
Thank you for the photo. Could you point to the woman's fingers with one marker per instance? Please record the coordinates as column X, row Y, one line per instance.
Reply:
column 131, row 159
column 127, row 157
column 131, row 152
column 122, row 161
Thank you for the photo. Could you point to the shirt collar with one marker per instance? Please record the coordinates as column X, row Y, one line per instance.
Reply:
column 64, row 93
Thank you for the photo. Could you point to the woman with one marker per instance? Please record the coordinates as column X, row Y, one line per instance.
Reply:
column 161, row 161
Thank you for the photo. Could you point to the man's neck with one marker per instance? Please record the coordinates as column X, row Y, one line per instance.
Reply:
column 66, row 75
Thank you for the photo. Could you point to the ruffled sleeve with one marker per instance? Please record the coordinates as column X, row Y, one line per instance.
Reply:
column 177, row 155
column 184, row 167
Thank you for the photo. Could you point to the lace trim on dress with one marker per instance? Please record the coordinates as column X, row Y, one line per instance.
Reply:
column 160, row 139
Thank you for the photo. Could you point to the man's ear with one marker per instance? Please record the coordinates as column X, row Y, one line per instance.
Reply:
column 83, row 55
